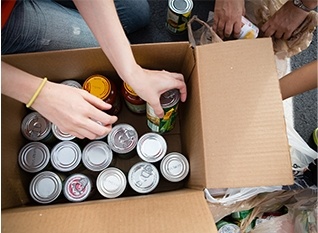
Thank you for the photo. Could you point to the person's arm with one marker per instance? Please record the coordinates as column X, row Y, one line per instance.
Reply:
column 73, row 110
column 227, row 17
column 299, row 81
column 287, row 19
column 102, row 18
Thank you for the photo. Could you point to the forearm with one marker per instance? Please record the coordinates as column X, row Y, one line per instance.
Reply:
column 102, row 18
column 299, row 81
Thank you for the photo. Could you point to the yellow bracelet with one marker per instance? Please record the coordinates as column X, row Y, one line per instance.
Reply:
column 36, row 94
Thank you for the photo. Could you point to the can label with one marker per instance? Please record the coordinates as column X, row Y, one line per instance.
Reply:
column 179, row 13
column 248, row 30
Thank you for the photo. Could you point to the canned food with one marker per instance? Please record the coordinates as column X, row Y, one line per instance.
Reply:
column 97, row 156
column 34, row 157
column 169, row 102
column 174, row 167
column 132, row 100
column 227, row 227
column 248, row 30
column 45, row 187
column 77, row 187
column 66, row 156
column 179, row 13
column 143, row 177
column 111, row 182
column 151, row 147
column 123, row 139
column 35, row 127
column 105, row 89
column 240, row 215
column 59, row 134
column 72, row 83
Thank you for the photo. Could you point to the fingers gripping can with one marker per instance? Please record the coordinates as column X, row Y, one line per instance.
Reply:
column 179, row 13
column 169, row 102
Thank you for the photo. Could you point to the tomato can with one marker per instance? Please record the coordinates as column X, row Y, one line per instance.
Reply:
column 169, row 102
column 59, row 134
column 151, row 147
column 105, row 89
column 111, row 182
column 123, row 139
column 66, row 156
column 77, row 187
column 46, row 187
column 174, row 167
column 143, row 177
column 34, row 157
column 97, row 155
column 179, row 13
column 35, row 127
column 132, row 100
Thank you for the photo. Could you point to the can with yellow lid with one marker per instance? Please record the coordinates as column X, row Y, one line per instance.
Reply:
column 132, row 100
column 105, row 89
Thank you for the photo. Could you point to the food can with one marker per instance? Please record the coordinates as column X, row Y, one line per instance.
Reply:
column 174, row 167
column 227, row 227
column 97, row 155
column 45, row 187
column 143, row 177
column 59, row 134
column 35, row 127
column 66, row 156
column 72, row 83
column 132, row 100
column 240, row 215
column 34, row 157
column 169, row 102
column 111, row 182
column 248, row 29
column 151, row 147
column 123, row 139
column 105, row 89
column 77, row 187
column 179, row 13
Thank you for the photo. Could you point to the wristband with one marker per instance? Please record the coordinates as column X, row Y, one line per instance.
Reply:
column 36, row 94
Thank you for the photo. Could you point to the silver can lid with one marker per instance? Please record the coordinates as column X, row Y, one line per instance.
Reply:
column 66, row 156
column 72, row 83
column 174, row 167
column 170, row 98
column 181, row 6
column 60, row 134
column 111, row 182
column 122, row 138
column 34, row 157
column 97, row 156
column 35, row 127
column 151, row 147
column 77, row 187
column 45, row 187
column 143, row 177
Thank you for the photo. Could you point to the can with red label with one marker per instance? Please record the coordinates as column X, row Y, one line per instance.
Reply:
column 132, row 100
column 179, row 13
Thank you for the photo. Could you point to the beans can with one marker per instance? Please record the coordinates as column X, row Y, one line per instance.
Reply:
column 35, row 127
column 169, row 102
column 143, row 177
column 151, row 147
column 77, row 187
column 46, row 187
column 59, row 134
column 179, row 13
column 132, row 100
column 174, row 167
column 123, row 139
column 34, row 157
column 72, row 83
column 97, row 156
column 105, row 89
column 111, row 182
column 66, row 156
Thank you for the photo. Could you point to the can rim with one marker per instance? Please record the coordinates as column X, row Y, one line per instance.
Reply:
column 154, row 150
column 26, row 123
column 179, row 160
column 60, row 134
column 174, row 100
column 187, row 9
column 82, row 196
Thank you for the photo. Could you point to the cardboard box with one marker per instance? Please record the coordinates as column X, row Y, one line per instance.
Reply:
column 231, row 128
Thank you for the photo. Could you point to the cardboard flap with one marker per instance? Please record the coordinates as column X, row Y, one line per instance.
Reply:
column 244, row 134
column 180, row 211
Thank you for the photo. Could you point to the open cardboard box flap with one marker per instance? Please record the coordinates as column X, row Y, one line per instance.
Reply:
column 231, row 129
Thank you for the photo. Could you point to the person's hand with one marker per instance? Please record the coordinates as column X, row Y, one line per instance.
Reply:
column 284, row 22
column 227, row 17
column 74, row 110
column 150, row 84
